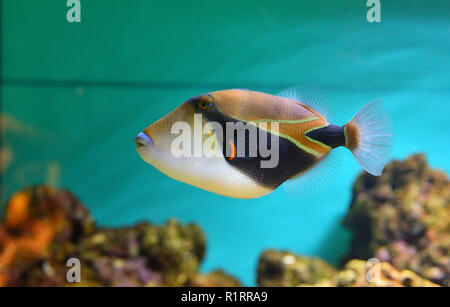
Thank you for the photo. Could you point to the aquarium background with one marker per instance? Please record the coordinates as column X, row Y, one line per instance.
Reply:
column 74, row 95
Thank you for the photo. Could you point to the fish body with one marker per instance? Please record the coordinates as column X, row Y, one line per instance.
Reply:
column 272, row 139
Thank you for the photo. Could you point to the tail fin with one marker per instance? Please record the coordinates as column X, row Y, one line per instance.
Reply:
column 369, row 136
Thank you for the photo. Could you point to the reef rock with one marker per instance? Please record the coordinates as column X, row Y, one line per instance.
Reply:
column 216, row 278
column 38, row 219
column 167, row 254
column 356, row 274
column 44, row 227
column 277, row 268
column 282, row 269
column 403, row 217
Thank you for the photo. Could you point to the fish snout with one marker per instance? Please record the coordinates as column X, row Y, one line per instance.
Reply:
column 143, row 140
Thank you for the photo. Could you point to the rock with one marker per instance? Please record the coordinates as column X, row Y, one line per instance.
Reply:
column 282, row 268
column 173, row 251
column 355, row 274
column 402, row 217
column 44, row 227
column 216, row 278
column 38, row 219
column 287, row 269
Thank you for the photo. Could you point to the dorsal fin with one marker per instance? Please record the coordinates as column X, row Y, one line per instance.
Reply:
column 310, row 96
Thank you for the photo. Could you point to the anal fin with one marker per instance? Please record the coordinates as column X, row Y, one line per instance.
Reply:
column 314, row 179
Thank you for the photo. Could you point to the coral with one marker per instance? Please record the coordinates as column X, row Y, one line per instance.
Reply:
column 172, row 251
column 216, row 278
column 37, row 218
column 355, row 274
column 44, row 227
column 403, row 217
column 277, row 268
column 282, row 268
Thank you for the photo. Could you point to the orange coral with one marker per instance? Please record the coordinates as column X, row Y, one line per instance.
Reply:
column 25, row 236
column 17, row 210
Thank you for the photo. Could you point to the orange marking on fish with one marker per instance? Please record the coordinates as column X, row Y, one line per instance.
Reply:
column 233, row 150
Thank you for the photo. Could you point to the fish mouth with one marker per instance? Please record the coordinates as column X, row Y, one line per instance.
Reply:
column 142, row 141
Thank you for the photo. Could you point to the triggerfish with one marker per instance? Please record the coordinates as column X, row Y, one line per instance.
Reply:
column 245, row 144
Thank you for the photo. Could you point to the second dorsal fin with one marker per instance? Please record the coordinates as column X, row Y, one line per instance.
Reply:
column 310, row 96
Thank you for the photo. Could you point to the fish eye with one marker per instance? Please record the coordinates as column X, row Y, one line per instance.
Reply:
column 205, row 105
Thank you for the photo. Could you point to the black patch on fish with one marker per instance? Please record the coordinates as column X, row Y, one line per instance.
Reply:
column 330, row 135
column 292, row 159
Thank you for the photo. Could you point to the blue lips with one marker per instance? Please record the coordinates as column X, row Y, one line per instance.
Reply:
column 143, row 140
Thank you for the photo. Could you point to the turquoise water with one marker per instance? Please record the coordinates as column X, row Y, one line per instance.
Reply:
column 81, row 92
